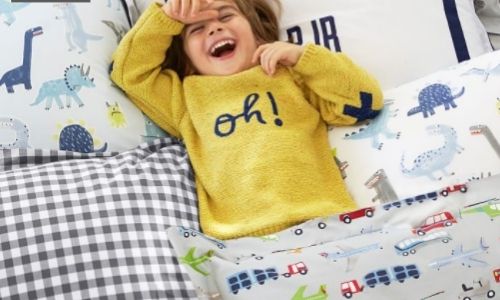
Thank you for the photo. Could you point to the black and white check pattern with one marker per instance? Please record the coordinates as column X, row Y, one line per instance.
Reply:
column 80, row 226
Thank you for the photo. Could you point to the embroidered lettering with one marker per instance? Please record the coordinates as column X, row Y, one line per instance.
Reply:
column 225, row 124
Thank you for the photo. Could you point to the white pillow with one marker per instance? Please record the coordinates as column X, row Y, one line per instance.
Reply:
column 62, row 38
column 420, row 143
column 395, row 40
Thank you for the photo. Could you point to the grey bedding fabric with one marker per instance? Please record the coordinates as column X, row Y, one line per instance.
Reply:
column 439, row 245
column 93, row 226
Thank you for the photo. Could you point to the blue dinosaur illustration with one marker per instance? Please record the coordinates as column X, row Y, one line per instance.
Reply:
column 436, row 159
column 75, row 34
column 22, row 74
column 7, row 9
column 76, row 138
column 434, row 95
column 21, row 131
column 69, row 85
column 377, row 127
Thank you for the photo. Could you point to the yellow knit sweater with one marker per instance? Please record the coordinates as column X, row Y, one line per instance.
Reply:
column 258, row 144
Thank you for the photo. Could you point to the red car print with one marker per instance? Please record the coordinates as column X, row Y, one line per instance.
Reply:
column 348, row 217
column 454, row 188
column 436, row 221
column 496, row 275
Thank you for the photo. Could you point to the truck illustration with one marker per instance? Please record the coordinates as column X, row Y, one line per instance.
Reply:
column 454, row 188
column 351, row 287
column 294, row 269
column 380, row 276
column 247, row 278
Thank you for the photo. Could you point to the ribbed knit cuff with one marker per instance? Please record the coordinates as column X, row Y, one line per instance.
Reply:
column 160, row 20
column 309, row 55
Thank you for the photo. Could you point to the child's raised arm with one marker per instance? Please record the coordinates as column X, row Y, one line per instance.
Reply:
column 137, row 68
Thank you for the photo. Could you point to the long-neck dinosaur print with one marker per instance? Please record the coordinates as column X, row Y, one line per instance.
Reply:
column 377, row 127
column 22, row 74
column 437, row 159
column 76, row 36
column 433, row 96
column 73, row 80
column 7, row 10
column 21, row 131
column 485, row 130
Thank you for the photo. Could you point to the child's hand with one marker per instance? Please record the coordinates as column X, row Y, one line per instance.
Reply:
column 271, row 54
column 189, row 11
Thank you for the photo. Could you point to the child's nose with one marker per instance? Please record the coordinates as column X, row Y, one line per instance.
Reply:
column 213, row 30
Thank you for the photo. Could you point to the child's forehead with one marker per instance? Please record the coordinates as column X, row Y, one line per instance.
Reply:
column 219, row 4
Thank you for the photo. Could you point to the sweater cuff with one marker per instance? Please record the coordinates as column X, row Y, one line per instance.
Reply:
column 308, row 57
column 155, row 14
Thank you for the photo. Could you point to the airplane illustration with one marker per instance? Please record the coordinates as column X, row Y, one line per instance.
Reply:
column 466, row 258
column 193, row 262
column 347, row 252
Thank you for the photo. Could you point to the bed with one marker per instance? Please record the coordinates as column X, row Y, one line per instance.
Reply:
column 94, row 196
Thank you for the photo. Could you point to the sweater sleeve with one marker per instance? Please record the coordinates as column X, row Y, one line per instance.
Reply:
column 137, row 70
column 341, row 91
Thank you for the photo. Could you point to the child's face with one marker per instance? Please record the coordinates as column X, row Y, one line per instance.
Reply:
column 223, row 45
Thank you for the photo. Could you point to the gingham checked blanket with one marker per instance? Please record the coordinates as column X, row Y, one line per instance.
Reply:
column 93, row 226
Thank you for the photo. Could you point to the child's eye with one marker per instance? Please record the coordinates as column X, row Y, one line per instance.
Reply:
column 226, row 17
column 195, row 29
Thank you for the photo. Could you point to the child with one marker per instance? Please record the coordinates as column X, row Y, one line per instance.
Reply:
column 252, row 112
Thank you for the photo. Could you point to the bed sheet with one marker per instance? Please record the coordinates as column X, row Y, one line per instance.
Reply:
column 439, row 245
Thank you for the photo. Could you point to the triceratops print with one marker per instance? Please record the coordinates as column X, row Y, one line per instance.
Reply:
column 69, row 86
column 433, row 96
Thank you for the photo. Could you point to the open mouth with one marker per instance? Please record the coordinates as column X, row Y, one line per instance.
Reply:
column 222, row 48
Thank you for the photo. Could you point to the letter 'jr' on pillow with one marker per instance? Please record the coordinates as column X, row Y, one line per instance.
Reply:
column 54, row 87
column 396, row 40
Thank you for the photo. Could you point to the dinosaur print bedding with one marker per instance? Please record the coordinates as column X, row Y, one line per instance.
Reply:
column 55, row 91
column 436, row 246
column 440, row 131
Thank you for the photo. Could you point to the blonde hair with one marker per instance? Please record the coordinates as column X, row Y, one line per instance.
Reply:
column 263, row 16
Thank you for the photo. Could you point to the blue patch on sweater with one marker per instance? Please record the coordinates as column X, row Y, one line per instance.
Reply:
column 365, row 111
